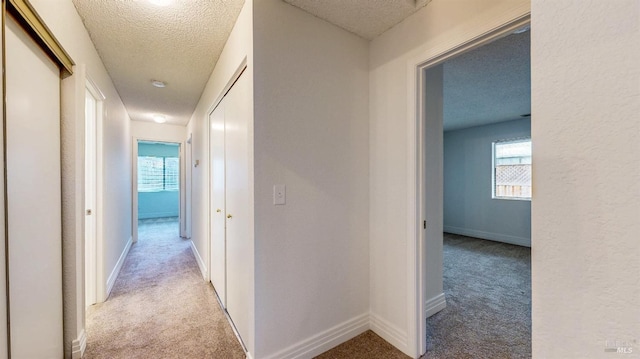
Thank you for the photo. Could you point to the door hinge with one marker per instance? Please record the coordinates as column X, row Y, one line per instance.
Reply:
column 424, row 224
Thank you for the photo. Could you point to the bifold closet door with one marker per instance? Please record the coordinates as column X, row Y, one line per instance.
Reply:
column 218, row 233
column 33, row 198
column 239, row 247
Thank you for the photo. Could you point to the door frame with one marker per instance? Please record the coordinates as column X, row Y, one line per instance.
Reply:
column 134, row 183
column 188, row 206
column 94, row 259
column 416, row 197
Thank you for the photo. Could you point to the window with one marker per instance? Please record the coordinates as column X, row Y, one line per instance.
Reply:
column 512, row 169
column 158, row 174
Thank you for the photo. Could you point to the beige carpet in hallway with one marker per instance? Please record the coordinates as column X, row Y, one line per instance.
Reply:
column 160, row 307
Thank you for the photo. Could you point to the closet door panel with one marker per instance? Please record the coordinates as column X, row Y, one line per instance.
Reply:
column 217, row 209
column 239, row 209
column 34, row 198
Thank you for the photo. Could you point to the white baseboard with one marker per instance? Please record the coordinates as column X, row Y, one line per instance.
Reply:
column 435, row 304
column 248, row 355
column 79, row 345
column 116, row 270
column 199, row 260
column 498, row 237
column 389, row 332
column 326, row 340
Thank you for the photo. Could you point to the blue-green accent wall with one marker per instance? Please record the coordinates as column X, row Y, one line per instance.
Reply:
column 164, row 203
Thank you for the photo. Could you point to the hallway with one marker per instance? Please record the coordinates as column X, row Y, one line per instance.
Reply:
column 160, row 307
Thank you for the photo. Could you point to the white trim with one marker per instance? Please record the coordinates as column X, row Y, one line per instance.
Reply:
column 232, row 80
column 79, row 345
column 326, row 340
column 416, row 331
column 498, row 237
column 199, row 260
column 188, row 186
column 248, row 355
column 387, row 331
column 94, row 89
column 435, row 304
column 114, row 274
column 506, row 23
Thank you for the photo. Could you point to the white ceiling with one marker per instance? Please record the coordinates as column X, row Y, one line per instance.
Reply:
column 366, row 18
column 179, row 44
column 489, row 84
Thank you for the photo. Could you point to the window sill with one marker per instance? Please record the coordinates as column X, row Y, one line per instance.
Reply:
column 513, row 198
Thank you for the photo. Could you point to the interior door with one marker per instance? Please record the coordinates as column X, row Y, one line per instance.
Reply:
column 239, row 208
column 33, row 198
column 217, row 202
column 90, row 183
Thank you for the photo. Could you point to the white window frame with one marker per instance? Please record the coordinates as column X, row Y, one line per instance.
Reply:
column 493, row 169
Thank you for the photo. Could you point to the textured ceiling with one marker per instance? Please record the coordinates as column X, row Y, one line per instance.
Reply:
column 489, row 84
column 178, row 44
column 366, row 18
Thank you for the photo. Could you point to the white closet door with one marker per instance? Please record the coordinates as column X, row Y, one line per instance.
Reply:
column 34, row 199
column 217, row 210
column 239, row 236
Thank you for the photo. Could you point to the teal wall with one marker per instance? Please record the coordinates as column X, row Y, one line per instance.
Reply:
column 158, row 149
column 158, row 204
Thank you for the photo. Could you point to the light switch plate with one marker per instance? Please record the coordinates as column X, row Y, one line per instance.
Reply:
column 279, row 194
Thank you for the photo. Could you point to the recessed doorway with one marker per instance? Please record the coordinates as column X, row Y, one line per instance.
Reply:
column 432, row 185
column 158, row 186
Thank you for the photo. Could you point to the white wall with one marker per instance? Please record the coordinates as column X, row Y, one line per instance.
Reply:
column 431, row 31
column 61, row 17
column 586, row 207
column 239, row 47
column 469, row 208
column 311, row 134
column 159, row 132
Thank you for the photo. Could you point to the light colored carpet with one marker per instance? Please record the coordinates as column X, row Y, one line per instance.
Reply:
column 160, row 307
column 488, row 289
column 367, row 345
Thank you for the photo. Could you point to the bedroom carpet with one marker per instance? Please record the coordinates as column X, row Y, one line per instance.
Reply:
column 160, row 307
column 488, row 290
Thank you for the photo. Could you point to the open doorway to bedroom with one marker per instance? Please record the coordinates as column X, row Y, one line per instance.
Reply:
column 158, row 188
column 482, row 99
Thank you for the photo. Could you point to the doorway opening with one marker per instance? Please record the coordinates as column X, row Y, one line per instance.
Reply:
column 486, row 102
column 158, row 187
column 433, row 186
